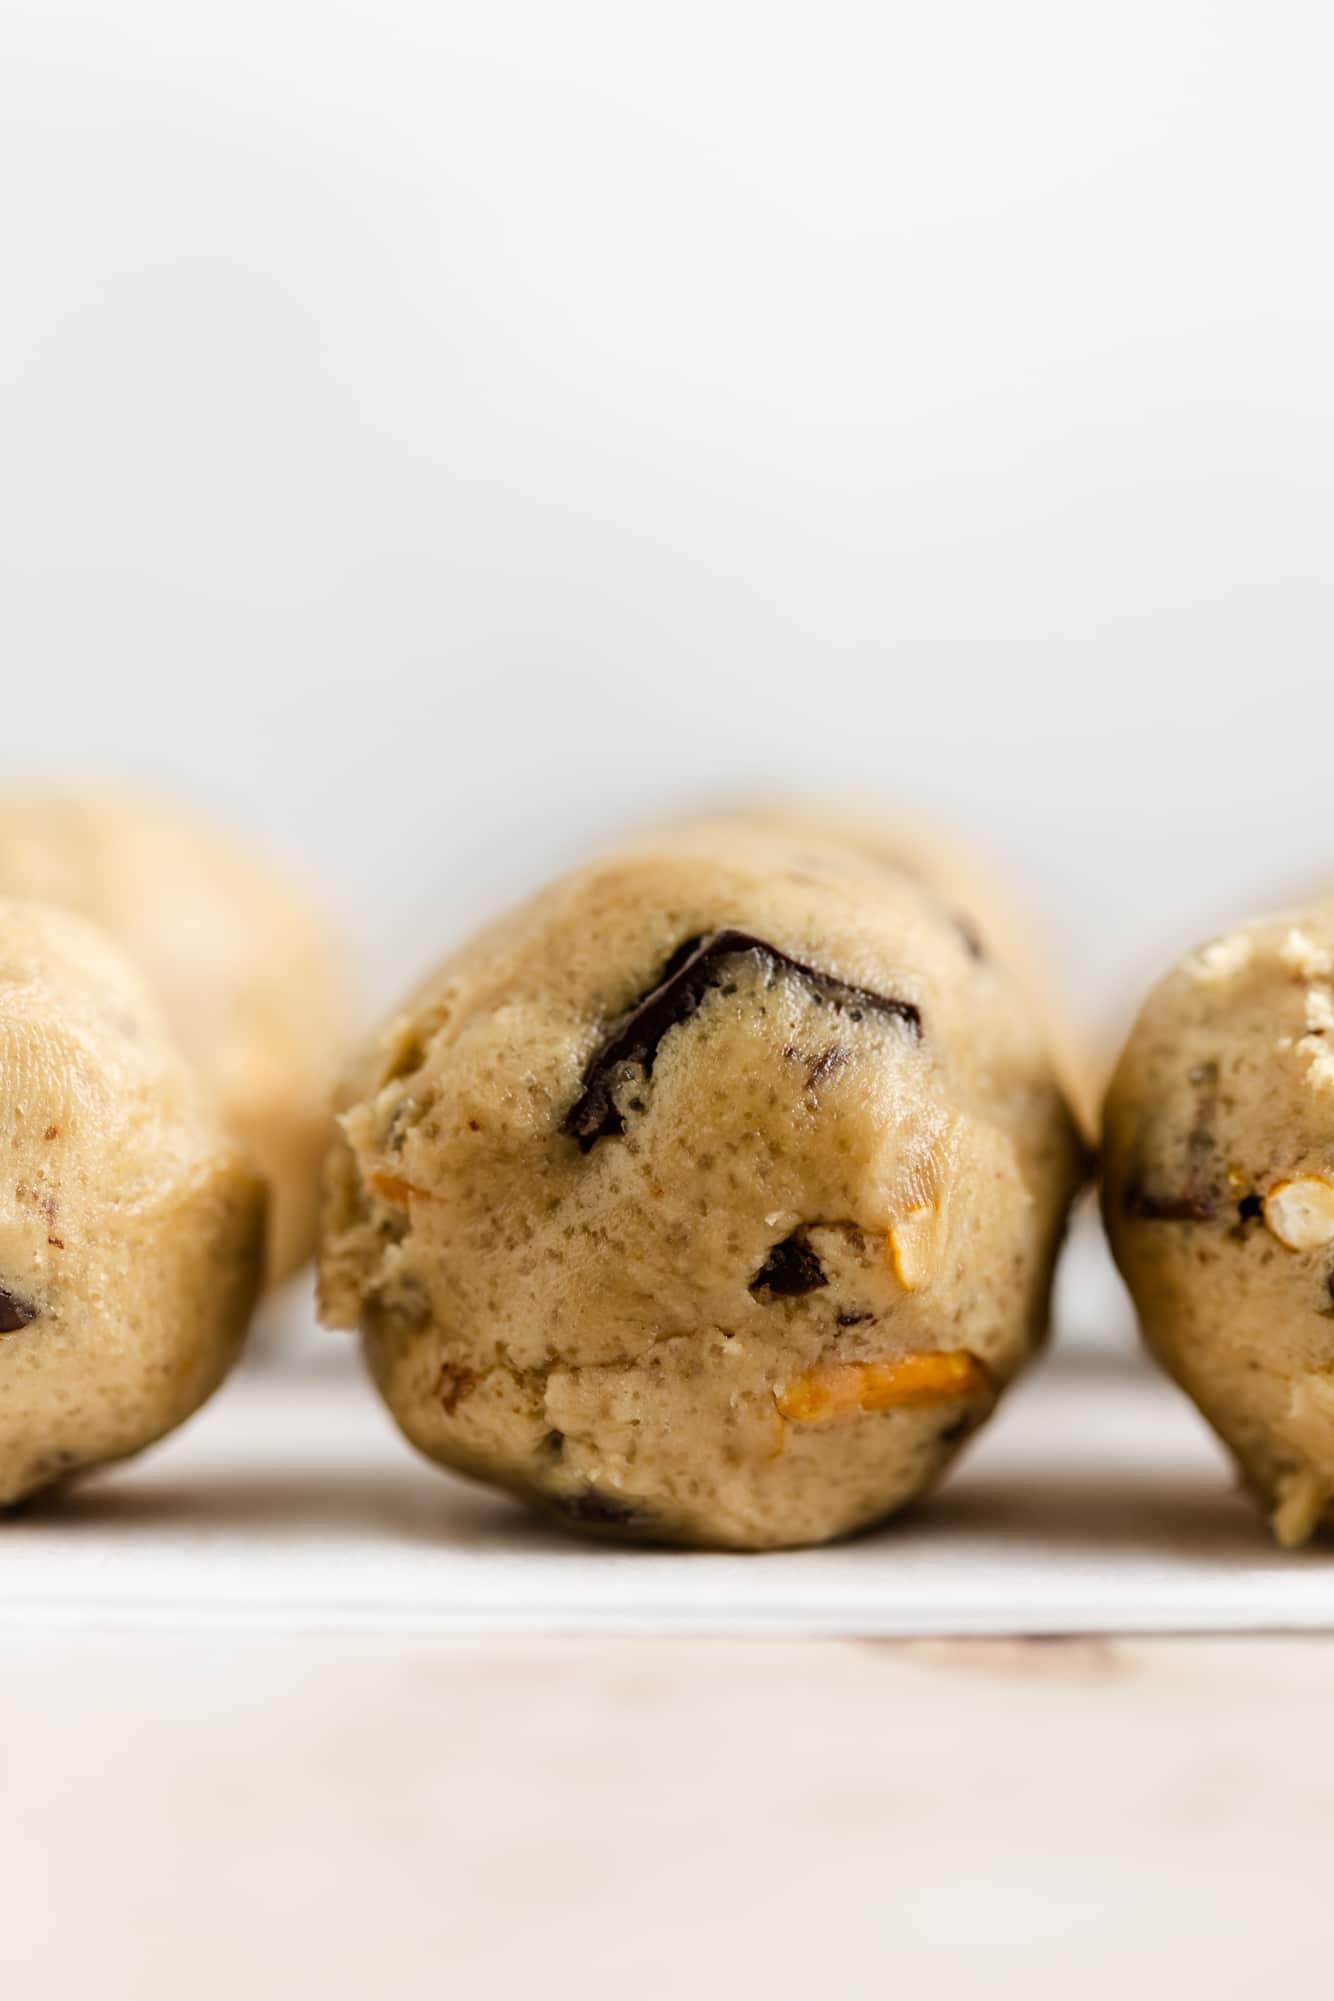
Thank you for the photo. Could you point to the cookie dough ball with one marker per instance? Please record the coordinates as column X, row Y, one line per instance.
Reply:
column 711, row 1198
column 131, row 1225
column 1219, row 1199
column 241, row 964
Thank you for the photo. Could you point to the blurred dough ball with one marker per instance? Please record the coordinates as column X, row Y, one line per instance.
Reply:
column 978, row 897
column 131, row 1222
column 1218, row 1195
column 241, row 963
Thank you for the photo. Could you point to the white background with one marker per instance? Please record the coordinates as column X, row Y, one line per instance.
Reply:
column 430, row 432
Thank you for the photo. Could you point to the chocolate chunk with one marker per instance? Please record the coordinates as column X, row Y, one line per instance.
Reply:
column 696, row 968
column 600, row 1510
column 1187, row 1207
column 1329, row 1285
column 851, row 1319
column 15, row 1311
column 790, row 1270
column 1250, row 1208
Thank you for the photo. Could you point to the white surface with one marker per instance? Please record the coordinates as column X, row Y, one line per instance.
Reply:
column 341, row 1817
column 432, row 432
column 1094, row 1503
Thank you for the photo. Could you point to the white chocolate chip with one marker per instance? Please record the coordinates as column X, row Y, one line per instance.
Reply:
column 1300, row 954
column 1222, row 960
column 1301, row 1213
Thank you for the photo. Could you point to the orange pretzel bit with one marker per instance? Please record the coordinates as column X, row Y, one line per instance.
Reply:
column 838, row 1390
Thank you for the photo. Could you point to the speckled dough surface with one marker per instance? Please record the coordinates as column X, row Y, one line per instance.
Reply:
column 241, row 964
column 1219, row 1198
column 711, row 1197
column 973, row 893
column 131, row 1226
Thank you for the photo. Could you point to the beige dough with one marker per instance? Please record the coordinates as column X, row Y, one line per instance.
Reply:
column 975, row 896
column 1219, row 1198
column 241, row 964
column 686, row 1241
column 131, row 1225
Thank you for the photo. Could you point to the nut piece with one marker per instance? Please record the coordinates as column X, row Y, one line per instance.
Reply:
column 1301, row 1213
column 910, row 1242
column 906, row 1382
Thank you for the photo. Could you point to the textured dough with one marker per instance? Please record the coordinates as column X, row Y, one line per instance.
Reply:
column 751, row 1284
column 973, row 895
column 1219, row 1198
column 131, row 1225
column 241, row 964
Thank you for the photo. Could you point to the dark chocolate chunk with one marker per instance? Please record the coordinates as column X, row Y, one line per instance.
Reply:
column 1250, row 1208
column 695, row 969
column 1187, row 1207
column 15, row 1311
column 790, row 1270
column 600, row 1510
column 852, row 1319
column 1329, row 1285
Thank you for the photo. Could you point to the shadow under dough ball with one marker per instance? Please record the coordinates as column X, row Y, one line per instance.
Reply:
column 1219, row 1199
column 131, row 1224
column 240, row 962
column 713, row 1197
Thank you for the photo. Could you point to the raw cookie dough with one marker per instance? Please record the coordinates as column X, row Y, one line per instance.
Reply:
column 1219, row 1198
column 131, row 1225
column 713, row 1197
column 241, row 964
column 977, row 899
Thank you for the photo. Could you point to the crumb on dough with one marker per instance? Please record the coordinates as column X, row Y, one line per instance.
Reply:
column 1319, row 1009
column 1300, row 954
column 1319, row 1061
column 1222, row 960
